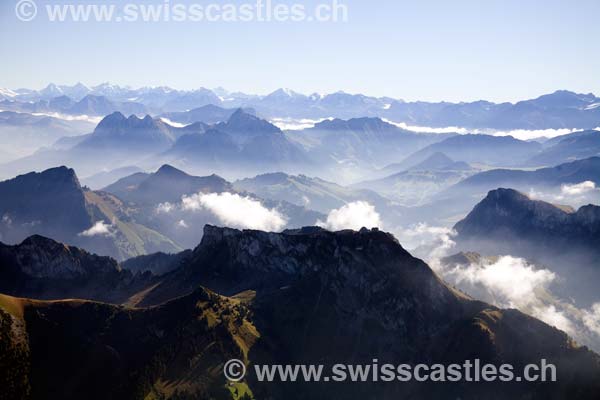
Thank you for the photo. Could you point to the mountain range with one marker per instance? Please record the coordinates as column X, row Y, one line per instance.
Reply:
column 53, row 203
column 139, row 214
column 561, row 109
column 369, row 142
column 418, row 183
column 477, row 148
column 156, row 200
column 314, row 193
column 573, row 183
column 244, row 141
column 574, row 172
column 296, row 297
column 90, row 105
column 562, row 149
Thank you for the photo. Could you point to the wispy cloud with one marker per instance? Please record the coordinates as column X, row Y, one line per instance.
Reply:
column 173, row 123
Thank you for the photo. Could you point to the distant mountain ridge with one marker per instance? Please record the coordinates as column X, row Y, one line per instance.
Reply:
column 413, row 184
column 132, row 133
column 514, row 221
column 561, row 109
column 477, row 148
column 567, row 148
column 90, row 105
column 167, row 184
column 52, row 203
column 587, row 169
column 244, row 141
column 313, row 193
column 362, row 141
column 155, row 200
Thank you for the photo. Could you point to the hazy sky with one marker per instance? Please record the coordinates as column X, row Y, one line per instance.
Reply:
column 428, row 50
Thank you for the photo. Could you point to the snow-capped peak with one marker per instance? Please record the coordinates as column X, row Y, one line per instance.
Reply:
column 7, row 93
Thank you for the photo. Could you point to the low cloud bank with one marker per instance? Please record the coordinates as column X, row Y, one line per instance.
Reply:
column 522, row 134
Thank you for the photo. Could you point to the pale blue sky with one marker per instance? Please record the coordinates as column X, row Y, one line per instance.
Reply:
column 427, row 50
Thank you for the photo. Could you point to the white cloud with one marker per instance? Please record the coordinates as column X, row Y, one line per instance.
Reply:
column 165, row 208
column 575, row 195
column 552, row 316
column 429, row 242
column 578, row 188
column 353, row 215
column 506, row 282
column 182, row 224
column 236, row 211
column 510, row 282
column 100, row 228
column 591, row 318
